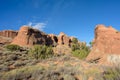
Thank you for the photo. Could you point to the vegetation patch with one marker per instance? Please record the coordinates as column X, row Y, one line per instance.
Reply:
column 12, row 47
column 112, row 73
column 79, row 50
column 41, row 52
column 81, row 54
column 22, row 73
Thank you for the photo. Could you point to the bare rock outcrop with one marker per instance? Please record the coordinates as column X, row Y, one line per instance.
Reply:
column 8, row 33
column 6, row 36
column 106, row 44
column 28, row 36
column 63, row 39
column 52, row 40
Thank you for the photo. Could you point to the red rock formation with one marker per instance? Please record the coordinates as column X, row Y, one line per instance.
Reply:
column 8, row 33
column 6, row 36
column 52, row 39
column 106, row 43
column 63, row 39
column 28, row 37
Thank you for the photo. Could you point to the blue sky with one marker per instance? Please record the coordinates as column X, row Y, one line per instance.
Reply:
column 74, row 17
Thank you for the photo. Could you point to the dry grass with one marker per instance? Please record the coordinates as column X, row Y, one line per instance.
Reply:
column 19, row 66
column 57, row 68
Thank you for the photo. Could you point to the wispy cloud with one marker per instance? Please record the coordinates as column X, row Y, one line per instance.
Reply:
column 39, row 25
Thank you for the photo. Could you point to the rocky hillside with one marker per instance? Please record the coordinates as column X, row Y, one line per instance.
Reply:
column 28, row 37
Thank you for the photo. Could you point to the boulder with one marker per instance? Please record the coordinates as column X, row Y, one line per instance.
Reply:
column 106, row 43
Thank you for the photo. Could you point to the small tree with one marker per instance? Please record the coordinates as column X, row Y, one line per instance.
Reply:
column 41, row 52
column 75, row 47
column 91, row 44
column 74, row 40
column 79, row 50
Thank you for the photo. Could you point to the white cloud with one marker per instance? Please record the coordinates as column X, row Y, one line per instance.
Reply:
column 39, row 25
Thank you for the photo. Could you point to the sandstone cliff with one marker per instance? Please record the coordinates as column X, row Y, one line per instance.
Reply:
column 6, row 36
column 106, row 44
column 52, row 40
column 8, row 33
column 28, row 36
column 63, row 39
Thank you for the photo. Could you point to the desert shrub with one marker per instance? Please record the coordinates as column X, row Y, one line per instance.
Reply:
column 12, row 47
column 4, row 68
column 81, row 54
column 11, row 57
column 41, row 52
column 68, row 77
column 112, row 73
column 75, row 47
column 31, row 62
column 80, row 50
column 19, row 64
column 66, row 71
column 22, row 73
column 74, row 40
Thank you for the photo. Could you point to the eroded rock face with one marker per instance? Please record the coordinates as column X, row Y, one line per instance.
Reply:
column 6, row 36
column 8, row 33
column 28, row 37
column 52, row 39
column 106, row 42
column 63, row 39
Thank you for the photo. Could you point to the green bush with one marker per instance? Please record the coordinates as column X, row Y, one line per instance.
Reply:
column 41, row 52
column 81, row 54
column 75, row 47
column 91, row 44
column 84, row 47
column 12, row 47
column 79, row 50
column 74, row 40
